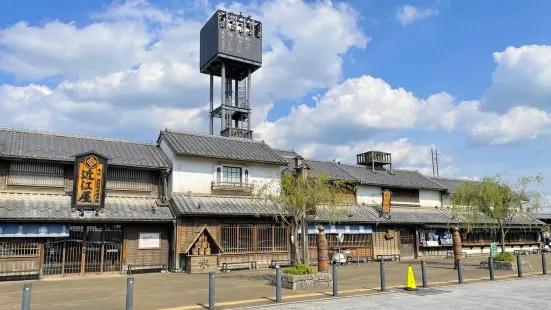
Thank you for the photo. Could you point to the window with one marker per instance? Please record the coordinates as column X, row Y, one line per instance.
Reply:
column 404, row 195
column 218, row 175
column 240, row 238
column 247, row 176
column 232, row 174
column 36, row 174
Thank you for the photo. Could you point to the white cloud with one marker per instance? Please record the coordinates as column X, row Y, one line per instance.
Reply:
column 408, row 14
column 138, row 60
column 522, row 78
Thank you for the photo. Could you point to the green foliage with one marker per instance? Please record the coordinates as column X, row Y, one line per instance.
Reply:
column 299, row 270
column 495, row 202
column 504, row 257
column 295, row 196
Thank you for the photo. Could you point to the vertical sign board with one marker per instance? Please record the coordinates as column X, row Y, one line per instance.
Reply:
column 387, row 195
column 493, row 249
column 89, row 181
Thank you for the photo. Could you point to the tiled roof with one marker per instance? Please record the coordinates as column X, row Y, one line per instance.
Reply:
column 31, row 206
column 221, row 205
column 371, row 214
column 27, row 144
column 286, row 153
column 398, row 177
column 194, row 144
column 331, row 168
column 450, row 184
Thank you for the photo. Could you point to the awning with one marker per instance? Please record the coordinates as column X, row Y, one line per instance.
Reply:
column 34, row 230
column 340, row 229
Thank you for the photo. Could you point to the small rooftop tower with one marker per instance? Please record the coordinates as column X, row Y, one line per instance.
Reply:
column 374, row 159
column 231, row 48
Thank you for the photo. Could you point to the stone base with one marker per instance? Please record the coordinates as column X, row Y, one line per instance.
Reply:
column 524, row 265
column 310, row 281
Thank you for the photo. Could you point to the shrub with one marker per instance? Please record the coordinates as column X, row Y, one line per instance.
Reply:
column 504, row 257
column 299, row 270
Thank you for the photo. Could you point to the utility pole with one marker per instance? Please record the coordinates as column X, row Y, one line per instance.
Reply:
column 434, row 157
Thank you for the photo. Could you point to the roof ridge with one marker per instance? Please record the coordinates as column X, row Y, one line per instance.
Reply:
column 69, row 135
column 183, row 132
column 215, row 196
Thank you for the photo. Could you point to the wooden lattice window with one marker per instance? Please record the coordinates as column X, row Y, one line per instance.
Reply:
column 36, row 174
column 19, row 248
column 405, row 195
column 237, row 238
column 129, row 179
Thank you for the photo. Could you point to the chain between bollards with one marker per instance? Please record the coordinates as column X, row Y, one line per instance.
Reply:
column 129, row 293
column 278, row 284
column 460, row 271
column 424, row 273
column 335, row 280
column 491, row 266
column 211, row 290
column 27, row 289
column 519, row 266
column 383, row 276
column 543, row 263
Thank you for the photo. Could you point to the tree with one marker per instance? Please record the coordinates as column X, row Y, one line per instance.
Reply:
column 295, row 198
column 495, row 202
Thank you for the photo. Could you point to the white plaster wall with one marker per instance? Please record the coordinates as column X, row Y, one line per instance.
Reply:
column 369, row 194
column 195, row 174
column 428, row 198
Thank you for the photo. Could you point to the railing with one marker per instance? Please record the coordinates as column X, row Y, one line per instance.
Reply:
column 237, row 132
column 232, row 186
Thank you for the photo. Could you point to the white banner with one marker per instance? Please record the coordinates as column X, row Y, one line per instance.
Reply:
column 149, row 241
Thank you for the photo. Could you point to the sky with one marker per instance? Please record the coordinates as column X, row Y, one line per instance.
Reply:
column 469, row 78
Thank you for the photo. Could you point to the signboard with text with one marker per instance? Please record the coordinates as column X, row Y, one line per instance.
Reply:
column 149, row 241
column 493, row 247
column 387, row 195
column 89, row 181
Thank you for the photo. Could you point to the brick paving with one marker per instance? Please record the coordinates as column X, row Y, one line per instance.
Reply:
column 173, row 290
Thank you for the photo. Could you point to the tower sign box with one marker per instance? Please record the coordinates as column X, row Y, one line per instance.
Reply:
column 89, row 181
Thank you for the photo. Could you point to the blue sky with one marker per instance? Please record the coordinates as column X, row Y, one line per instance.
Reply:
column 470, row 78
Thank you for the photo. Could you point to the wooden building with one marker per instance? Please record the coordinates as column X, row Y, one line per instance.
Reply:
column 41, row 231
column 211, row 185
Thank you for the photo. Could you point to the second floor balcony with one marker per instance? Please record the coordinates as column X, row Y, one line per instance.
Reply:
column 222, row 187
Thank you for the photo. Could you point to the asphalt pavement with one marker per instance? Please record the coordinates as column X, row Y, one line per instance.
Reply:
column 528, row 293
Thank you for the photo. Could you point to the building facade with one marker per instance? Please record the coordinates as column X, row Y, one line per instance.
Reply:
column 41, row 231
column 220, row 223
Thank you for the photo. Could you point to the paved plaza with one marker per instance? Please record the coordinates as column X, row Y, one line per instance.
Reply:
column 531, row 293
column 234, row 289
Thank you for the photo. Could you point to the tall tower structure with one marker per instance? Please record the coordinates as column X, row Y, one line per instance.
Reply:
column 231, row 48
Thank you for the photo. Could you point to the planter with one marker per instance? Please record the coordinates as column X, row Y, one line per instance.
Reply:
column 511, row 266
column 309, row 281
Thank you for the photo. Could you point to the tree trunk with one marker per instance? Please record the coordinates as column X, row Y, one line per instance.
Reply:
column 305, row 259
column 502, row 238
column 294, row 245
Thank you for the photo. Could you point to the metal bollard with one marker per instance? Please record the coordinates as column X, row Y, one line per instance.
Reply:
column 519, row 265
column 335, row 280
column 491, row 266
column 278, row 284
column 27, row 289
column 460, row 271
column 424, row 273
column 129, row 293
column 383, row 276
column 543, row 263
column 211, row 290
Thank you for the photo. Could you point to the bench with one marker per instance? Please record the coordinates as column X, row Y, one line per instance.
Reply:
column 451, row 254
column 381, row 257
column 135, row 266
column 252, row 265
column 354, row 258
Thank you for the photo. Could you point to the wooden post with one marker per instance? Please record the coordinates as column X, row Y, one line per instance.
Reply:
column 323, row 254
column 83, row 248
column 41, row 258
column 102, row 255
column 63, row 258
column 456, row 246
column 123, row 250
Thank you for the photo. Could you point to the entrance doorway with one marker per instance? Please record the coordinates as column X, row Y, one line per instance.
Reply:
column 407, row 243
column 89, row 249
